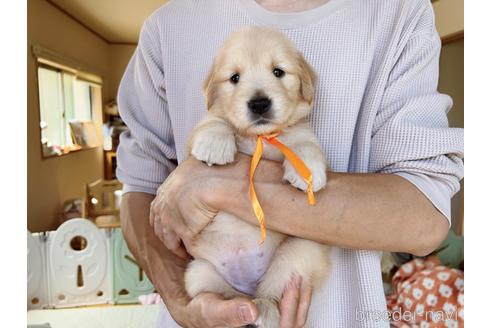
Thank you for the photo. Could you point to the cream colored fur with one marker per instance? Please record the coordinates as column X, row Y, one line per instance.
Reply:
column 253, row 53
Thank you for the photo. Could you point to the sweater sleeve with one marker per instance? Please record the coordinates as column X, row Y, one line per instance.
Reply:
column 411, row 136
column 146, row 153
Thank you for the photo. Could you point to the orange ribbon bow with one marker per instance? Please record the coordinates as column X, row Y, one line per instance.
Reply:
column 298, row 164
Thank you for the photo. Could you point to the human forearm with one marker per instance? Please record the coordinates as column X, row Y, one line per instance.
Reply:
column 164, row 269
column 360, row 211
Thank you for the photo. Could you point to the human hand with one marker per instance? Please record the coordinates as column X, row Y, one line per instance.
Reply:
column 294, row 305
column 179, row 211
column 210, row 310
column 184, row 206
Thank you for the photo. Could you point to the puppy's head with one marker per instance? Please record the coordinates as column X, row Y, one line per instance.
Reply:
column 259, row 82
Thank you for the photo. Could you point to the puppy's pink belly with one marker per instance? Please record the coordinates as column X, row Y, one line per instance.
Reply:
column 243, row 269
column 231, row 246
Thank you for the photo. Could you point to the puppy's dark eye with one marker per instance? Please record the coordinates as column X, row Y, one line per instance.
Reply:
column 278, row 72
column 234, row 79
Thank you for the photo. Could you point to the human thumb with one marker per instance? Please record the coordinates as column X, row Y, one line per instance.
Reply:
column 236, row 312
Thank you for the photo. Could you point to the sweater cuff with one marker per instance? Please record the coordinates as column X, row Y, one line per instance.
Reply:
column 434, row 189
column 133, row 188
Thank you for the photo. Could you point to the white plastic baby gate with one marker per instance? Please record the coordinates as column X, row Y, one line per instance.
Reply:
column 37, row 275
column 79, row 264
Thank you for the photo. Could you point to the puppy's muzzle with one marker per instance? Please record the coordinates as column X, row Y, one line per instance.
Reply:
column 259, row 105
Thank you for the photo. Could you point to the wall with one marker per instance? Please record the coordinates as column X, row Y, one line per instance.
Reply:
column 451, row 79
column 119, row 56
column 449, row 16
column 54, row 180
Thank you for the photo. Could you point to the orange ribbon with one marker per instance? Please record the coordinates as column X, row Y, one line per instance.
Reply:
column 298, row 164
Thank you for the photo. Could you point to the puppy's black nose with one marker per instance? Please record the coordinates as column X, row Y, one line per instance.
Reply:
column 259, row 105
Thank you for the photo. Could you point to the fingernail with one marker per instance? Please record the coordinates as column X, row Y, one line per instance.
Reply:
column 245, row 313
column 296, row 282
column 299, row 282
column 293, row 283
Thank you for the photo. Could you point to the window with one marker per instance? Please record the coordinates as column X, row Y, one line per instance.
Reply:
column 66, row 111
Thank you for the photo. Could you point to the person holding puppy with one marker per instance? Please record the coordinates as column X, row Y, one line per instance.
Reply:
column 395, row 163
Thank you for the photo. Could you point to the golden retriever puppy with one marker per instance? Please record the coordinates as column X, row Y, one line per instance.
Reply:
column 259, row 84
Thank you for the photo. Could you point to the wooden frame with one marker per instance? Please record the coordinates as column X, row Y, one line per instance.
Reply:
column 453, row 37
column 101, row 191
column 38, row 65
column 109, row 157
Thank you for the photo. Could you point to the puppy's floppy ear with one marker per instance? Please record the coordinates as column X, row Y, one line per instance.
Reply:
column 308, row 79
column 208, row 88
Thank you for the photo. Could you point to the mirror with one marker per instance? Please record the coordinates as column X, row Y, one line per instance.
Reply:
column 67, row 108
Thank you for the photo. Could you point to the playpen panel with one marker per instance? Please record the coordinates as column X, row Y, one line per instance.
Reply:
column 79, row 265
column 37, row 277
column 129, row 280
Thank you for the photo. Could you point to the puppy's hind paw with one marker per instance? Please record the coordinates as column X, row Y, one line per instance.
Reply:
column 269, row 315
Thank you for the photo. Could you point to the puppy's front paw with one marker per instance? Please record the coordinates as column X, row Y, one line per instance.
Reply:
column 318, row 170
column 214, row 148
column 269, row 315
